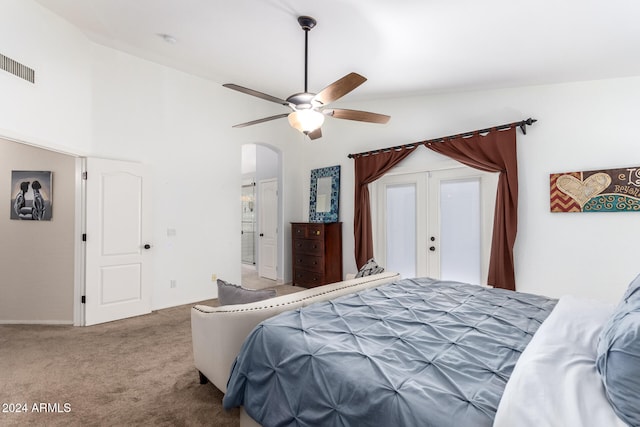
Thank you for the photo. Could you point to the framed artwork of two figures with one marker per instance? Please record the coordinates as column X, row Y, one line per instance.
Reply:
column 31, row 195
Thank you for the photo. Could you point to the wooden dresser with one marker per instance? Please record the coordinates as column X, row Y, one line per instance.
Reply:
column 316, row 253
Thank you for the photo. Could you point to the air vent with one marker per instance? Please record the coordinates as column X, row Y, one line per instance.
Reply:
column 17, row 69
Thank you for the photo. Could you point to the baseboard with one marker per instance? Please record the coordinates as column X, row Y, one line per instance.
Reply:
column 36, row 322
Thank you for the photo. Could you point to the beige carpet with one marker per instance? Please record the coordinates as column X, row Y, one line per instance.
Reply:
column 136, row 371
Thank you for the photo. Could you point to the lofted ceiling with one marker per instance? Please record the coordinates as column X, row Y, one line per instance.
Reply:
column 403, row 47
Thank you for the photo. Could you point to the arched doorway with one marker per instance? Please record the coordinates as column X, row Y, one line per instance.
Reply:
column 262, row 218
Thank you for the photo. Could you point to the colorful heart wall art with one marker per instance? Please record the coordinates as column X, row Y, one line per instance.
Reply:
column 610, row 190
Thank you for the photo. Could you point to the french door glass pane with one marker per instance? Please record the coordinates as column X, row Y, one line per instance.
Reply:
column 401, row 229
column 460, row 250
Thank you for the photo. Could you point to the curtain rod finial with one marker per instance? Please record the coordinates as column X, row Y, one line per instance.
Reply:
column 524, row 123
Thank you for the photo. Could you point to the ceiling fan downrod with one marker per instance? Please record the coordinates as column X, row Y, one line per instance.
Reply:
column 307, row 23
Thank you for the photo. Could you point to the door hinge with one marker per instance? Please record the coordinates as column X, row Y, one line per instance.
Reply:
column 83, row 299
column 84, row 175
column 84, row 237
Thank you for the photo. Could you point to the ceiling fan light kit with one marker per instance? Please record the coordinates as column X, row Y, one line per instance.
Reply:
column 307, row 114
column 306, row 121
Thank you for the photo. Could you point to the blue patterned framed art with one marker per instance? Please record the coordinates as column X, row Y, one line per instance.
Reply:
column 324, row 194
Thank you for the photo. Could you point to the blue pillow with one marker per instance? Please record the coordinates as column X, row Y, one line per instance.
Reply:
column 230, row 294
column 618, row 356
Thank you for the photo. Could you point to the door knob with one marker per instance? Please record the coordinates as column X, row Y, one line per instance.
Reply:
column 432, row 248
column 261, row 234
column 147, row 246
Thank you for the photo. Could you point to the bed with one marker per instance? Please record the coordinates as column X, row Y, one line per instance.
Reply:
column 429, row 353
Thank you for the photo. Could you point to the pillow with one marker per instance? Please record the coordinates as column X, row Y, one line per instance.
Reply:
column 618, row 356
column 369, row 268
column 229, row 294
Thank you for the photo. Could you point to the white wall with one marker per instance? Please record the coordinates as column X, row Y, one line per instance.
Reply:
column 582, row 126
column 56, row 110
column 94, row 100
column 181, row 126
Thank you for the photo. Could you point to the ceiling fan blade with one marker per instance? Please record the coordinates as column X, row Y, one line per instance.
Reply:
column 360, row 116
column 339, row 88
column 256, row 93
column 315, row 134
column 265, row 119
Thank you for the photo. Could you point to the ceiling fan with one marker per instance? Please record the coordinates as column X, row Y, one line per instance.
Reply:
column 309, row 109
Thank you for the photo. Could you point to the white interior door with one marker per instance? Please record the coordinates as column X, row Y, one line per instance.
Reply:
column 118, row 241
column 268, row 229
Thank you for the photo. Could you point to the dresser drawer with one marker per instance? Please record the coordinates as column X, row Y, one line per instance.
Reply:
column 315, row 231
column 308, row 231
column 308, row 246
column 299, row 231
column 308, row 279
column 307, row 262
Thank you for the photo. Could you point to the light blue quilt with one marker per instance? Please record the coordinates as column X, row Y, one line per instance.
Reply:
column 417, row 352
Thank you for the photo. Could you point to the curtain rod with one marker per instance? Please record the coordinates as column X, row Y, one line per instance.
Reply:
column 522, row 124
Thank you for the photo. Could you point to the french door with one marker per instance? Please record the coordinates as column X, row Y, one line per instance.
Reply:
column 435, row 223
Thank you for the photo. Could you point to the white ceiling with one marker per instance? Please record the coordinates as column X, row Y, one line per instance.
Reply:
column 402, row 46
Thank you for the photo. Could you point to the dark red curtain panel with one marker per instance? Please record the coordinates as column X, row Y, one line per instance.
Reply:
column 494, row 152
column 368, row 169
